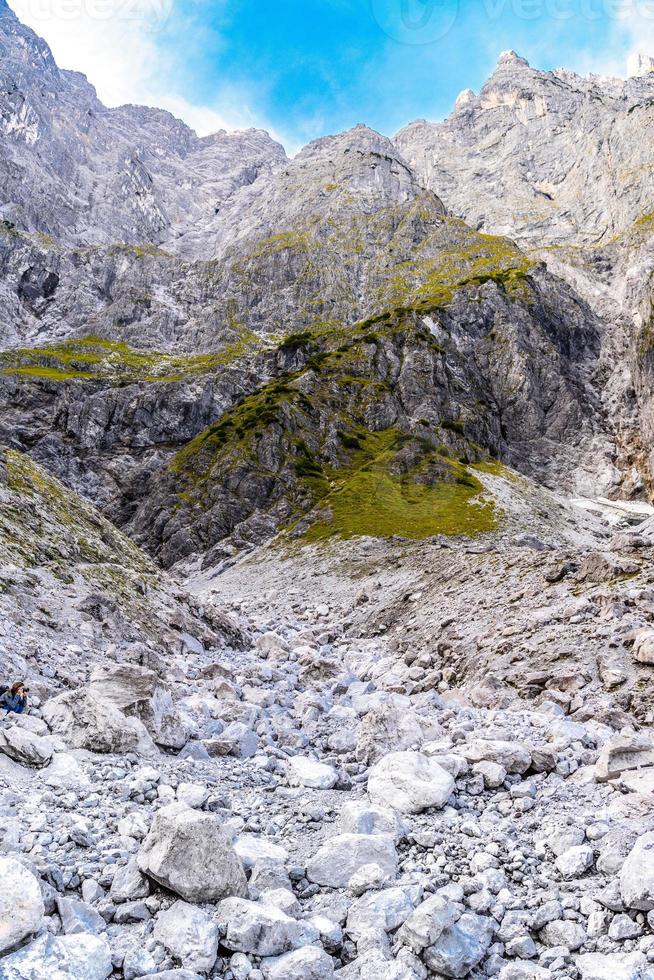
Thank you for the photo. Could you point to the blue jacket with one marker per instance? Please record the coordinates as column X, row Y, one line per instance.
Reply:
column 13, row 702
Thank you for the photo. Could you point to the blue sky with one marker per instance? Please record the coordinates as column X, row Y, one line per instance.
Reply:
column 305, row 68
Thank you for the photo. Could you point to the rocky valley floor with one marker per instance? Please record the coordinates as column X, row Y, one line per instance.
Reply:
column 390, row 760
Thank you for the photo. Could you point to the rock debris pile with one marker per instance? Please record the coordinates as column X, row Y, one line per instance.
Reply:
column 304, row 816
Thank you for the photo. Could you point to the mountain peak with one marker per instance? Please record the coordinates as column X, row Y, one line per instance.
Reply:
column 464, row 98
column 509, row 59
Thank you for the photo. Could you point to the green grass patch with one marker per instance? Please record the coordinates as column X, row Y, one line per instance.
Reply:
column 98, row 358
column 377, row 501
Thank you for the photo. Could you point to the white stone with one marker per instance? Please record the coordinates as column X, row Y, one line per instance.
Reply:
column 513, row 756
column 492, row 773
column 263, row 930
column 128, row 883
column 637, row 875
column 78, row 917
column 308, row 963
column 461, row 946
column 194, row 795
column 424, row 926
column 252, row 848
column 643, row 649
column 125, row 685
column 563, row 932
column 65, row 772
column 187, row 851
column 624, row 751
column 78, row 957
column 409, row 782
column 386, row 910
column 391, row 728
column 524, row 971
column 575, row 861
column 368, row 878
column 21, row 904
column 86, row 721
column 25, row 747
column 281, row 898
column 360, row 817
column 307, row 772
column 340, row 857
column 189, row 934
column 133, row 825
column 612, row 966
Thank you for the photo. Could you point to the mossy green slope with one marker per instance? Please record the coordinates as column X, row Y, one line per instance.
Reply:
column 379, row 499
column 410, row 255
column 101, row 359
column 313, row 449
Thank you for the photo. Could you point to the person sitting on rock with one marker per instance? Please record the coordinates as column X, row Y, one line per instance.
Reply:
column 15, row 699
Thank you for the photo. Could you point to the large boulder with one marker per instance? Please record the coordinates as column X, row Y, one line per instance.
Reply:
column 135, row 690
column 613, row 966
column 409, row 782
column 26, row 747
column 625, row 751
column 310, row 773
column 262, row 930
column 125, row 685
column 308, row 963
column 86, row 721
column 460, row 947
column 391, row 728
column 78, row 957
column 386, row 909
column 188, row 852
column 512, row 756
column 339, row 858
column 21, row 904
column 189, row 934
column 637, row 875
column 643, row 648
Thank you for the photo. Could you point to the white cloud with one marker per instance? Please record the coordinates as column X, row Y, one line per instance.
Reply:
column 114, row 43
column 637, row 35
column 631, row 35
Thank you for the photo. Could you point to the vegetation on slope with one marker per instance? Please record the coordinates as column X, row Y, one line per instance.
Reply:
column 97, row 358
column 380, row 498
column 316, row 442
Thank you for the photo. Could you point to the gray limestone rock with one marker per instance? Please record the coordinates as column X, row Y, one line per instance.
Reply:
column 21, row 904
column 188, row 852
column 190, row 934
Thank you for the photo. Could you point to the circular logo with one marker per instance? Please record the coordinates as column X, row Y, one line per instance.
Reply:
column 416, row 21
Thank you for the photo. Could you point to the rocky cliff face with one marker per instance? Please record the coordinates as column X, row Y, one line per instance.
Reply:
column 85, row 174
column 553, row 158
column 168, row 314
column 562, row 163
